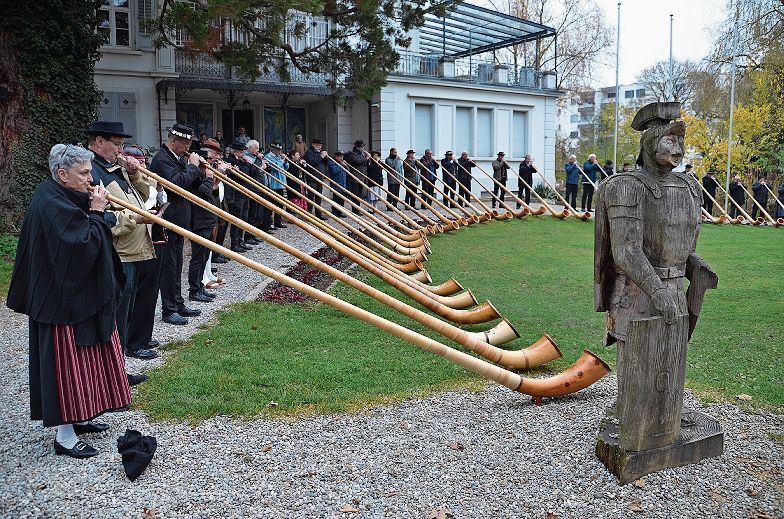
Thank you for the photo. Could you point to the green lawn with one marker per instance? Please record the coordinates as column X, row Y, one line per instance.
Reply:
column 269, row 359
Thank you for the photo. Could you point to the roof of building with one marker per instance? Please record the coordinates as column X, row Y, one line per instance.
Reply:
column 469, row 29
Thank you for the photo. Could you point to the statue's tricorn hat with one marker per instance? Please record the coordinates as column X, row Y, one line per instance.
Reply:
column 655, row 121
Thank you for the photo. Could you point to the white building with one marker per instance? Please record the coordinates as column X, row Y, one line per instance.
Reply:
column 442, row 96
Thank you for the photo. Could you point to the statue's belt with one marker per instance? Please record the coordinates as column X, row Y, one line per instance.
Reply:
column 670, row 272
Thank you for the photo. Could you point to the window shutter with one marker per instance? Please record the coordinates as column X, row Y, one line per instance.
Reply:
column 126, row 112
column 144, row 11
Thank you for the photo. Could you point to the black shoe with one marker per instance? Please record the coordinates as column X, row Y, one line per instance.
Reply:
column 188, row 312
column 81, row 450
column 211, row 295
column 174, row 318
column 220, row 258
column 256, row 241
column 268, row 230
column 134, row 380
column 281, row 226
column 90, row 427
column 143, row 354
column 200, row 298
column 153, row 344
column 239, row 250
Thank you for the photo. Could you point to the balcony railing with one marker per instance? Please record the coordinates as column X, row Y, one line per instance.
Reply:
column 202, row 66
column 473, row 71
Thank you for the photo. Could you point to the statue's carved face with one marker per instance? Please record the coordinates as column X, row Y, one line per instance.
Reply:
column 669, row 151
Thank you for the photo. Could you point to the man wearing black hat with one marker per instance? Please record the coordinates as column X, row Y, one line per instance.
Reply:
column 238, row 202
column 359, row 159
column 175, row 164
column 449, row 171
column 410, row 177
column 318, row 166
column 500, row 168
column 129, row 234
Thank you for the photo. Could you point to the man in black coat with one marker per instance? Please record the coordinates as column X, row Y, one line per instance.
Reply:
column 318, row 166
column 526, row 172
column 464, row 175
column 709, row 182
column 738, row 195
column 449, row 171
column 760, row 195
column 238, row 202
column 174, row 164
column 359, row 159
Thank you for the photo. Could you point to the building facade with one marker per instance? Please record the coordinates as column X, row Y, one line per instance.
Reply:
column 443, row 95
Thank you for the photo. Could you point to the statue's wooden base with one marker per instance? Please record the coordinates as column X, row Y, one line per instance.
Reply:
column 701, row 437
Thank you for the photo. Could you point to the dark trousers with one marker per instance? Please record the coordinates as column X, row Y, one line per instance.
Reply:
column 449, row 198
column 127, row 299
column 239, row 209
column 734, row 212
column 410, row 200
column 394, row 191
column 571, row 194
column 465, row 190
column 755, row 209
column 522, row 189
column 498, row 192
column 276, row 217
column 587, row 197
column 223, row 227
column 355, row 190
column 337, row 201
column 199, row 255
column 142, row 314
column 707, row 203
column 427, row 188
column 254, row 217
column 171, row 275
column 314, row 201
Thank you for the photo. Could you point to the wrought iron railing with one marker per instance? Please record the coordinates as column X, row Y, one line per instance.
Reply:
column 194, row 65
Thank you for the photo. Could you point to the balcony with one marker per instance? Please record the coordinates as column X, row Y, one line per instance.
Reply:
column 471, row 70
column 200, row 66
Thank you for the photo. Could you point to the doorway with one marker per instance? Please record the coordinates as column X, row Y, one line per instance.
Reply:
column 242, row 119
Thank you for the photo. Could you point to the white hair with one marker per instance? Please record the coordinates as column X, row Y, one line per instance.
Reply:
column 66, row 156
column 253, row 142
column 572, row 157
column 591, row 156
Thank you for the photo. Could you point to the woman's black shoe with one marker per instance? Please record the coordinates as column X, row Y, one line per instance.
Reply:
column 81, row 450
column 90, row 427
column 219, row 258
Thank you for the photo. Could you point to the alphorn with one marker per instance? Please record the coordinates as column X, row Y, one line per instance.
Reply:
column 488, row 212
column 541, row 351
column 585, row 175
column 451, row 197
column 707, row 217
column 588, row 369
column 603, row 172
column 449, row 224
column 414, row 210
column 724, row 216
column 457, row 301
column 412, row 237
column 560, row 215
column 531, row 210
column 526, row 209
column 780, row 221
column 484, row 215
column 773, row 222
column 585, row 216
column 394, row 243
column 744, row 214
column 436, row 201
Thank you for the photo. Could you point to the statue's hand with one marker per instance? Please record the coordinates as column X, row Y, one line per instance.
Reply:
column 665, row 304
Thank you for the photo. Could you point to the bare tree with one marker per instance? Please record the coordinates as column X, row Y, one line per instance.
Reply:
column 760, row 29
column 656, row 80
column 582, row 35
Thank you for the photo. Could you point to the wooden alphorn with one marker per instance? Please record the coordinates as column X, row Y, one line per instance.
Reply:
column 436, row 201
column 526, row 209
column 588, row 369
column 744, row 215
column 759, row 206
column 414, row 210
column 586, row 176
column 585, row 216
column 779, row 221
column 481, row 215
column 449, row 225
column 487, row 211
column 724, row 216
column 560, row 215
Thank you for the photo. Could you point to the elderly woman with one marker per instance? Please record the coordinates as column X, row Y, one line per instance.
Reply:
column 66, row 278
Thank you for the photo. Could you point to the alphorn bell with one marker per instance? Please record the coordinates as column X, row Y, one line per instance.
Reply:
column 743, row 214
column 526, row 209
column 560, row 215
column 724, row 216
column 540, row 351
column 779, row 220
column 585, row 216
column 430, row 223
column 588, row 369
column 707, row 217
column 759, row 206
column 454, row 304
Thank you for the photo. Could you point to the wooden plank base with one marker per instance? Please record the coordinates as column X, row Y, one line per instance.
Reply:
column 701, row 437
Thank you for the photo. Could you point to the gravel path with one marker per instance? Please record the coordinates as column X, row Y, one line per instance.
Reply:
column 478, row 454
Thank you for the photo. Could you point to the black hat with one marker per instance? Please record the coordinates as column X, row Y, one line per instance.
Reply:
column 180, row 130
column 448, row 153
column 688, row 166
column 316, row 141
column 501, row 154
column 134, row 151
column 338, row 154
column 409, row 152
column 136, row 451
column 608, row 161
column 238, row 146
column 107, row 128
column 275, row 146
column 359, row 143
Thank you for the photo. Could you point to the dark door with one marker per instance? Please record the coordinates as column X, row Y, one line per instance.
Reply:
column 242, row 119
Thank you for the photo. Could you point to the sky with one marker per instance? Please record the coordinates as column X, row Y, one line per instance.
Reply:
column 645, row 33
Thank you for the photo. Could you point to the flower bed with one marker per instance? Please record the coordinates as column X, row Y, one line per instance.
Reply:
column 281, row 294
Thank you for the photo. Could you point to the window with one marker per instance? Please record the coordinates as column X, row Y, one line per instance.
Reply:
column 198, row 116
column 519, row 134
column 484, row 132
column 629, row 94
column 145, row 10
column 575, row 118
column 610, row 95
column 114, row 21
column 640, row 92
column 464, row 130
column 423, row 127
column 120, row 106
column 574, row 135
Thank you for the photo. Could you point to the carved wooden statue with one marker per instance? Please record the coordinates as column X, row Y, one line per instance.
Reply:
column 647, row 223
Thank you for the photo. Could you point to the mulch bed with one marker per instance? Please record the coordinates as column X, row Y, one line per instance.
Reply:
column 281, row 294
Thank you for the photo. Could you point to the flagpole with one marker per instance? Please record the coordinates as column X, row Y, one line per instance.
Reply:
column 617, row 86
column 672, row 80
column 732, row 100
